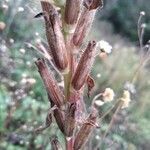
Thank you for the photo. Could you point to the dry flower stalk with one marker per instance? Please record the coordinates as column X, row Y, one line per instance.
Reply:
column 67, row 104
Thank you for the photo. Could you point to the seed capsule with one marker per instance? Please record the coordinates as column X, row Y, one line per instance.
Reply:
column 70, row 120
column 85, row 21
column 50, row 83
column 85, row 130
column 54, row 36
column 84, row 66
column 72, row 11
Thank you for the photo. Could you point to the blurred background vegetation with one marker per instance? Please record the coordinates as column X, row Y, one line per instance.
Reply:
column 23, row 100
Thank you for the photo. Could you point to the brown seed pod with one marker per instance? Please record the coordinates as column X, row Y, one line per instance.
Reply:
column 84, row 66
column 70, row 120
column 54, row 36
column 50, row 83
column 85, row 20
column 72, row 11
column 85, row 130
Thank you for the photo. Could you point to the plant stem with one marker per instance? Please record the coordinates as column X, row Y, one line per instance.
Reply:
column 69, row 143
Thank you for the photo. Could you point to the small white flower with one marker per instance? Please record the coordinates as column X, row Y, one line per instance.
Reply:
column 142, row 13
column 130, row 87
column 108, row 95
column 126, row 99
column 104, row 46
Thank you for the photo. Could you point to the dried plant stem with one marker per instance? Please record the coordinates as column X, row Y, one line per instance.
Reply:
column 112, row 119
column 69, row 144
column 141, row 64
column 140, row 35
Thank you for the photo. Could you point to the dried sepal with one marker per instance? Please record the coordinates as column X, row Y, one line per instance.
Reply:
column 72, row 11
column 58, row 114
column 50, row 83
column 84, row 66
column 54, row 36
column 85, row 130
column 70, row 120
column 48, row 122
column 55, row 144
column 59, row 117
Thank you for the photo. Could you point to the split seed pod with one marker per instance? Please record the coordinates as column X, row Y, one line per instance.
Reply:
column 54, row 36
column 59, row 116
column 70, row 120
column 85, row 131
column 84, row 66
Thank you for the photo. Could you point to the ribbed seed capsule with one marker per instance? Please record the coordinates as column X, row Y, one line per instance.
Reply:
column 85, row 130
column 84, row 66
column 54, row 36
column 50, row 83
column 70, row 120
column 85, row 21
column 72, row 11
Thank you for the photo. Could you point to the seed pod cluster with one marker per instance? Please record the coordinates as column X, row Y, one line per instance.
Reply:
column 63, row 51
